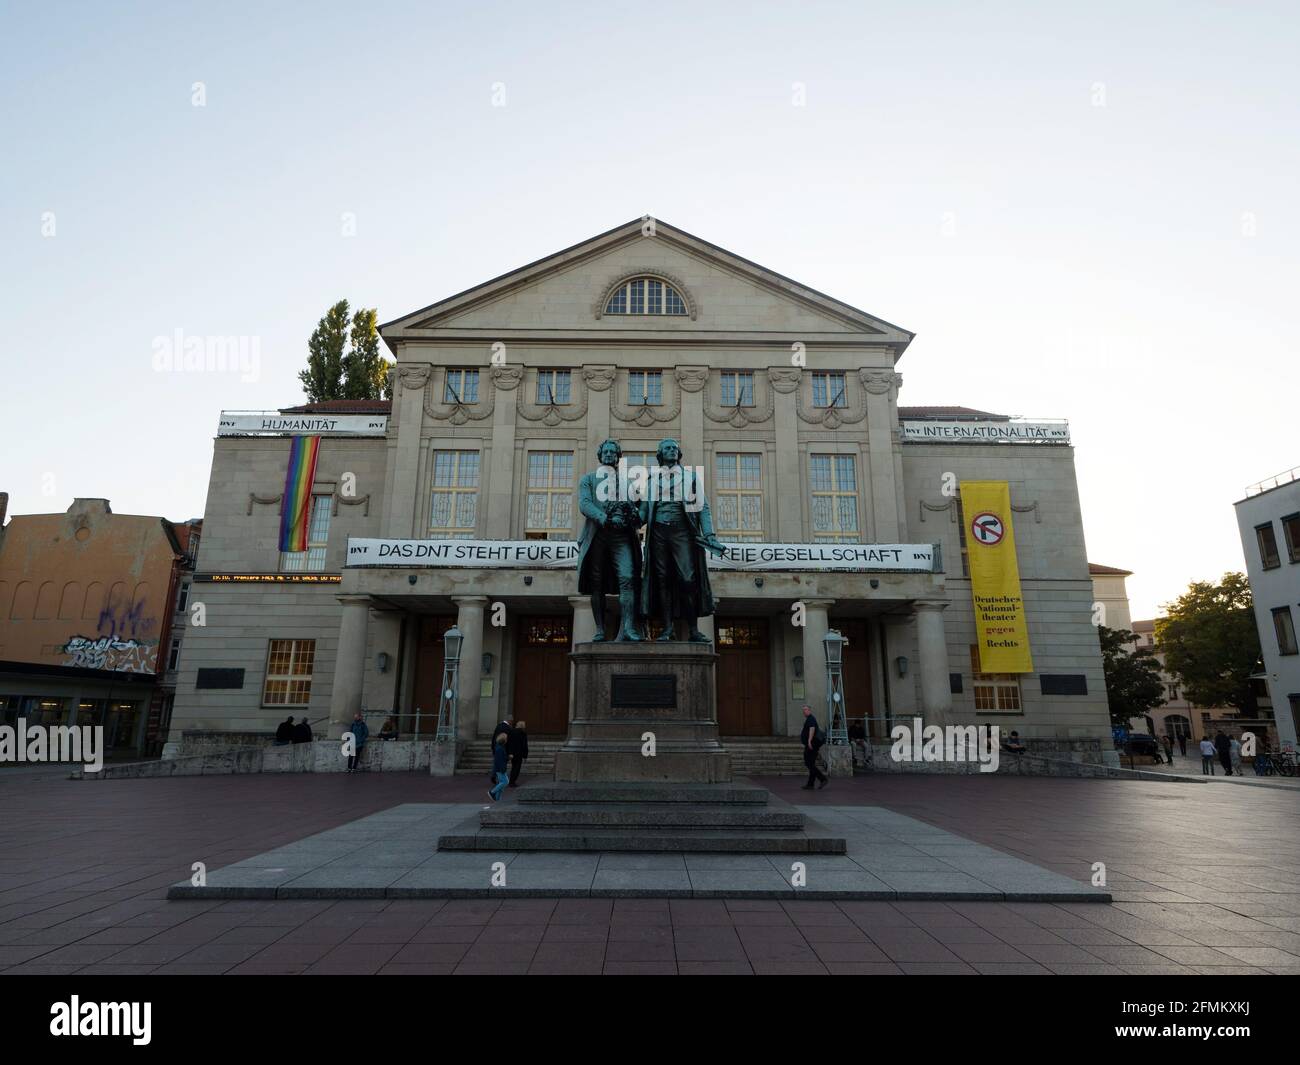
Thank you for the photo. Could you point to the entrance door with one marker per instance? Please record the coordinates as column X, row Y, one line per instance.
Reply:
column 744, row 677
column 428, row 675
column 857, row 672
column 542, row 675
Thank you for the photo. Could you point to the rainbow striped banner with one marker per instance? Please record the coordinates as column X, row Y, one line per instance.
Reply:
column 295, row 514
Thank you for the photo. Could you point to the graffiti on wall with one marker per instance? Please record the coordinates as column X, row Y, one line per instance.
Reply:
column 110, row 652
column 124, row 618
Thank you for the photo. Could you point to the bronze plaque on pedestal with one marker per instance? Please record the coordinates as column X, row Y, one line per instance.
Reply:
column 639, row 691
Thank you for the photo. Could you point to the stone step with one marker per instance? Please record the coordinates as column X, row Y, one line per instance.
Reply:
column 737, row 792
column 471, row 836
column 642, row 815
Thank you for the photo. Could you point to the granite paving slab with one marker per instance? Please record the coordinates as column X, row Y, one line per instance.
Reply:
column 393, row 854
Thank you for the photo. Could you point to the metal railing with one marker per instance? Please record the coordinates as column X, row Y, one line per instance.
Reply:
column 1276, row 481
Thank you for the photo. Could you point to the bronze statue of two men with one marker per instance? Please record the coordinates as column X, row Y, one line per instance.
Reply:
column 671, row 581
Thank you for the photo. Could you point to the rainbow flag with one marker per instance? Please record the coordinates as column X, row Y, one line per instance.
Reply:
column 295, row 514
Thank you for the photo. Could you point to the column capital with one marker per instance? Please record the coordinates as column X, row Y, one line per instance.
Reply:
column 354, row 600
column 817, row 604
column 469, row 600
column 579, row 600
column 919, row 605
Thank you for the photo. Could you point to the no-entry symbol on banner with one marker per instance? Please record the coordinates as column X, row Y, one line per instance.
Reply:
column 987, row 528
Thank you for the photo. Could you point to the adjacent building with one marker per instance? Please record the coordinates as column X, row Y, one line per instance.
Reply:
column 89, row 632
column 455, row 505
column 1268, row 519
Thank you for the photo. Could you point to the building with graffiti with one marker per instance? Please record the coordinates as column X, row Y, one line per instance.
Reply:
column 344, row 539
column 89, row 625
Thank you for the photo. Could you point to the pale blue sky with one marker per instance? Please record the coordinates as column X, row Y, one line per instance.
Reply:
column 1130, row 266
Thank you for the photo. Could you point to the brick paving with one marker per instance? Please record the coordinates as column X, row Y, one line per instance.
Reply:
column 1206, row 880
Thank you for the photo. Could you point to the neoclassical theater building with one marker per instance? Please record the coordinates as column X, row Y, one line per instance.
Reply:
column 785, row 399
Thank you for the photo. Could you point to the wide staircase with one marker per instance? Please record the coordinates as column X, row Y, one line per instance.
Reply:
column 765, row 756
column 477, row 758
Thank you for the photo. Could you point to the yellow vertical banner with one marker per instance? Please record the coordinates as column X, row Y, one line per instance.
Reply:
column 1000, row 627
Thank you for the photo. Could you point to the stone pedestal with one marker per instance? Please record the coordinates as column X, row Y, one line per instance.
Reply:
column 623, row 691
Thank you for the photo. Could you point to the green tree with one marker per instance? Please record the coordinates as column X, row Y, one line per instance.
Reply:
column 1211, row 644
column 1133, row 683
column 365, row 370
column 336, row 370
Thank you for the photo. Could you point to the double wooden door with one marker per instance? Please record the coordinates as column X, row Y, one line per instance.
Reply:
column 744, row 676
column 542, row 675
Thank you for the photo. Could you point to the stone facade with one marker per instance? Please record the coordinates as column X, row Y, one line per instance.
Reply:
column 374, row 633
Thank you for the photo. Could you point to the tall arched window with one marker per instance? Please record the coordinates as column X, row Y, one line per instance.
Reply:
column 645, row 295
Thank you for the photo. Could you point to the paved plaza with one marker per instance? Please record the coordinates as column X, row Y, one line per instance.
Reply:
column 1205, row 879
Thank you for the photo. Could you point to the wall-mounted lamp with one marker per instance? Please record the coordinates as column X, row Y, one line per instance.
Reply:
column 381, row 661
column 900, row 663
column 487, row 663
column 798, row 665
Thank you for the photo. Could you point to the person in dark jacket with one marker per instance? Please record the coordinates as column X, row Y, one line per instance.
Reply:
column 499, row 767
column 302, row 732
column 360, row 732
column 1182, row 744
column 284, row 734
column 1224, row 746
column 517, row 748
column 808, row 739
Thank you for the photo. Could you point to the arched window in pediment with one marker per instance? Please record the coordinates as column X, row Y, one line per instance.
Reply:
column 645, row 295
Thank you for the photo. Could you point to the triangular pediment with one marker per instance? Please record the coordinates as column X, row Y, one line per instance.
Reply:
column 725, row 295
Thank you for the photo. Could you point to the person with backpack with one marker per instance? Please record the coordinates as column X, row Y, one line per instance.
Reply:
column 811, row 738
column 360, row 732
column 284, row 734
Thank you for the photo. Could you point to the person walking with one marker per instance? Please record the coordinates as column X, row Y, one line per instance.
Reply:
column 284, row 734
column 811, row 738
column 1224, row 746
column 1182, row 744
column 360, row 733
column 1207, row 757
column 517, row 748
column 1169, row 749
column 502, row 729
column 499, row 767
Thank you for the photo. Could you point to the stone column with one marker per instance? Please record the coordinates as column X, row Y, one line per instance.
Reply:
column 584, row 628
column 597, row 380
column 881, row 389
column 349, row 662
column 816, row 623
column 691, row 380
column 787, row 485
column 408, row 402
column 469, row 619
column 388, row 637
column 500, row 481
column 932, row 646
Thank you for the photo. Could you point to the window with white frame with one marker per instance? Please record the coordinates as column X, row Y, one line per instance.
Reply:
column 182, row 597
column 554, row 387
column 460, row 386
column 645, row 388
column 174, row 653
column 453, row 513
column 318, row 533
column 829, row 389
column 737, row 388
column 738, row 497
column 289, row 665
column 994, row 692
column 834, row 485
column 550, row 495
column 645, row 295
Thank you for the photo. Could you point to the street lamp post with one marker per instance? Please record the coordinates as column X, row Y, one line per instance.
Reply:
column 451, row 643
column 836, row 711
